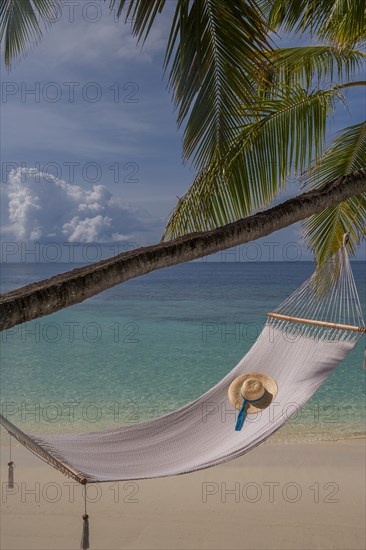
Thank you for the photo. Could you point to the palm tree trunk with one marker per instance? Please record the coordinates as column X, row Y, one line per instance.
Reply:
column 73, row 287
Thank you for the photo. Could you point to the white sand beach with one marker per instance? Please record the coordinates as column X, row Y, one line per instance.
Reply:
column 279, row 496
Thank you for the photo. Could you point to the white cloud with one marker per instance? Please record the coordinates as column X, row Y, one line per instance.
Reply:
column 42, row 207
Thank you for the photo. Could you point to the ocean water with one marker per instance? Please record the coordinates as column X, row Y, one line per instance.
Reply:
column 150, row 345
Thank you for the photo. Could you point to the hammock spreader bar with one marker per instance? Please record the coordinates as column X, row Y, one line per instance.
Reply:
column 316, row 323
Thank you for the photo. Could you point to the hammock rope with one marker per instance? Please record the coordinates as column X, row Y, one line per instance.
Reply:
column 327, row 303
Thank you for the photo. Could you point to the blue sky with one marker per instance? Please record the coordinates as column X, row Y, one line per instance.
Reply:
column 100, row 122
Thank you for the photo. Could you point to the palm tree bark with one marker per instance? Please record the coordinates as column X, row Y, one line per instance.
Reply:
column 73, row 287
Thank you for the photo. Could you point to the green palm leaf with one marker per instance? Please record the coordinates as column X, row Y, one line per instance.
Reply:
column 343, row 22
column 22, row 23
column 212, row 72
column 213, row 54
column 142, row 13
column 285, row 134
column 324, row 232
column 304, row 64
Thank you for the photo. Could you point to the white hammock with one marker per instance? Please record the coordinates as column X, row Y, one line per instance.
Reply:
column 302, row 342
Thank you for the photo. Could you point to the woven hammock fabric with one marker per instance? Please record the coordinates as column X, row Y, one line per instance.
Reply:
column 201, row 434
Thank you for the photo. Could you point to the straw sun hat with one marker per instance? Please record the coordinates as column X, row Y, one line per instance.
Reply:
column 251, row 393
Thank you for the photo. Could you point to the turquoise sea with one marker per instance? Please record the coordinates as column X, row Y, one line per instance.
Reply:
column 157, row 342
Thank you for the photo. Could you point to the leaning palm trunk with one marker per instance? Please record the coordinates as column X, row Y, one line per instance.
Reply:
column 73, row 287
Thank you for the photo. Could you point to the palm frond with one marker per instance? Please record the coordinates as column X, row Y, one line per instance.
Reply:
column 214, row 50
column 22, row 23
column 324, row 232
column 141, row 13
column 304, row 64
column 342, row 22
column 284, row 135
column 212, row 69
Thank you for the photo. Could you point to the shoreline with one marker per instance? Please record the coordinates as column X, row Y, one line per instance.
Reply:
column 297, row 496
